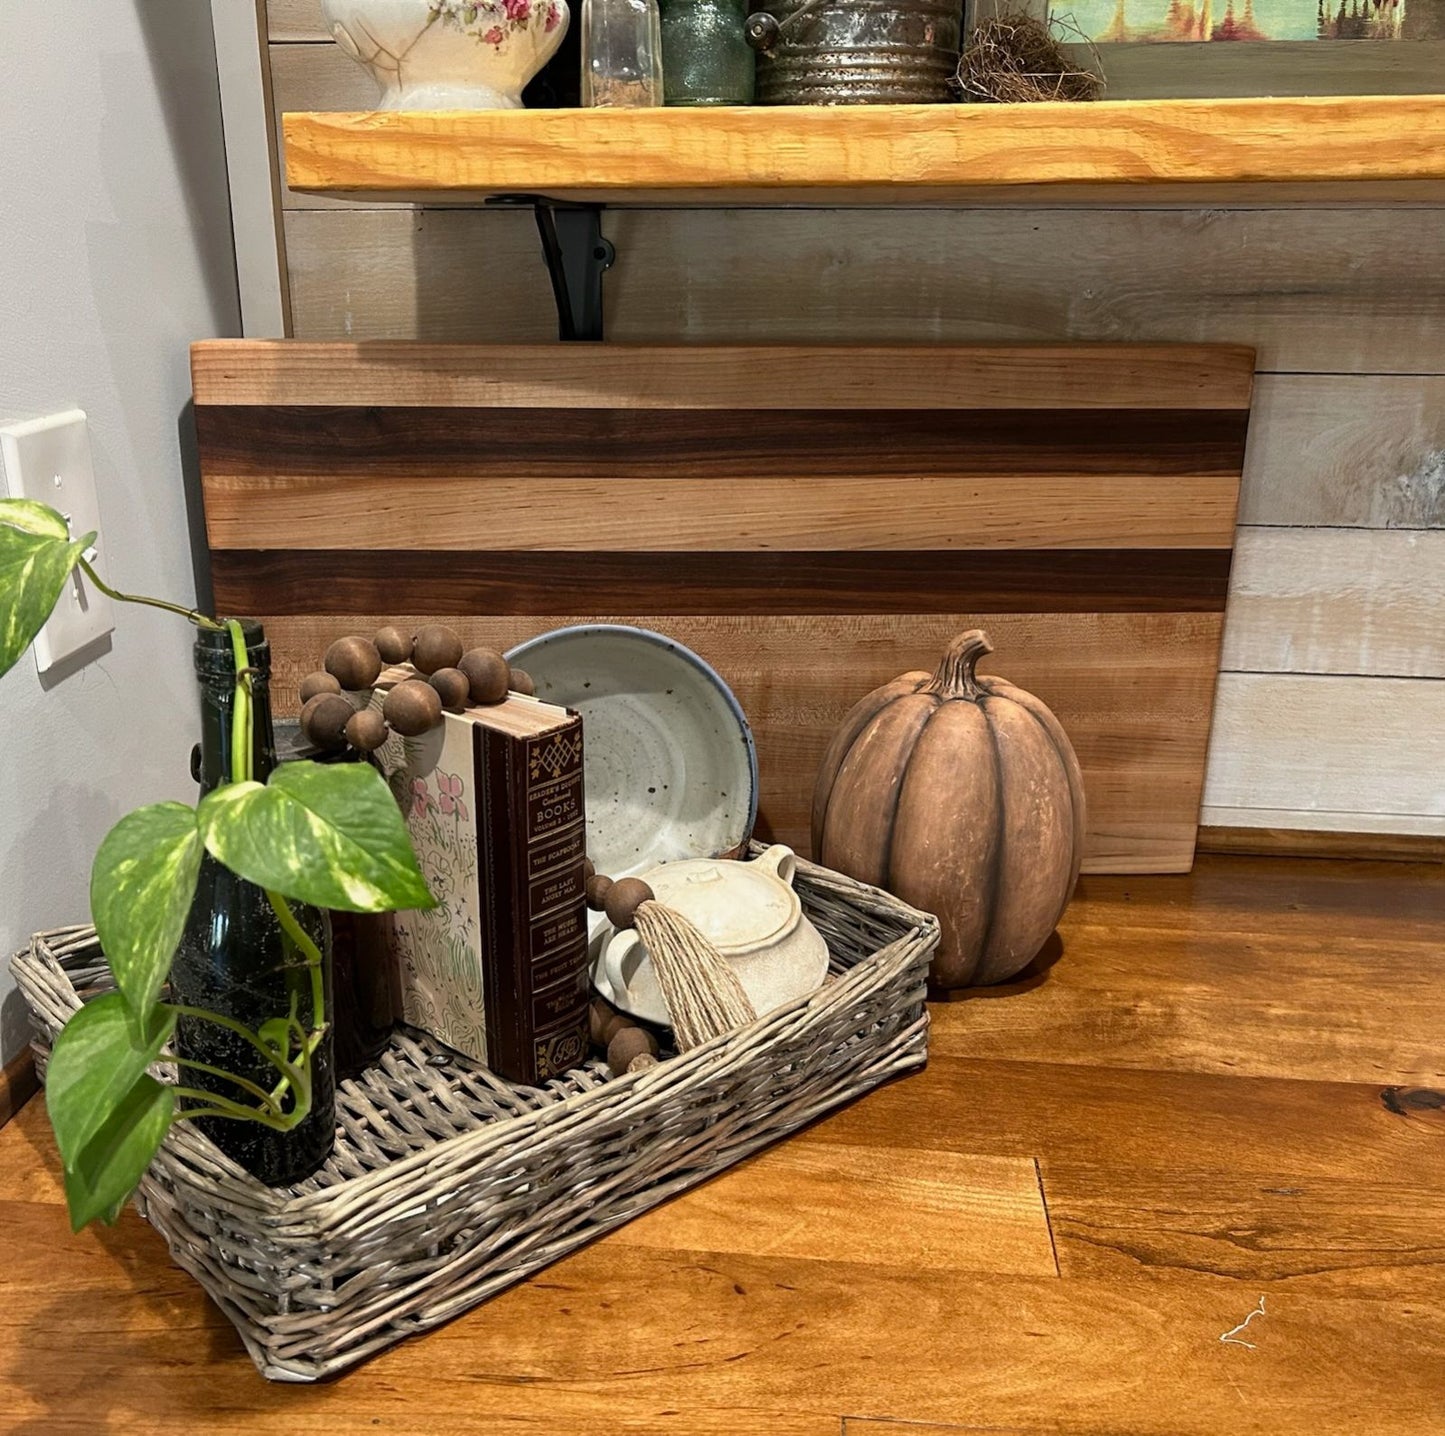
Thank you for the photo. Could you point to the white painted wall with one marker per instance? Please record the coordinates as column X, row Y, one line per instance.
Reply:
column 115, row 252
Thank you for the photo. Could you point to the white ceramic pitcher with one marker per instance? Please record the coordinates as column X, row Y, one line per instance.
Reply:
column 749, row 912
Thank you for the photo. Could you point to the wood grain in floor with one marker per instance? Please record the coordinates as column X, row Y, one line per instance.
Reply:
column 890, row 1272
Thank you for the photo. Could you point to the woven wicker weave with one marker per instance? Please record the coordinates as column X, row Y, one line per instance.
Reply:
column 448, row 1185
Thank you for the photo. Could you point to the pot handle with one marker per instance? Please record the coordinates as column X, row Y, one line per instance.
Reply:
column 780, row 860
column 608, row 976
column 764, row 30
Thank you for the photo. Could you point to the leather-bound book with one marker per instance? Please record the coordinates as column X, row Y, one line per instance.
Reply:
column 493, row 801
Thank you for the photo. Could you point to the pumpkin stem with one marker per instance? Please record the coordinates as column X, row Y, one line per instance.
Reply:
column 954, row 677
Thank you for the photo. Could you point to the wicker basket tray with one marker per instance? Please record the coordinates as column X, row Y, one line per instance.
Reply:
column 448, row 1185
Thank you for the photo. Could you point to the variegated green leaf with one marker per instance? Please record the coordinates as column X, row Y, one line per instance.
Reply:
column 141, row 886
column 327, row 834
column 101, row 1050
column 33, row 570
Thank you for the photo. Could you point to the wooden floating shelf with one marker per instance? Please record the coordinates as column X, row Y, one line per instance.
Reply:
column 1374, row 149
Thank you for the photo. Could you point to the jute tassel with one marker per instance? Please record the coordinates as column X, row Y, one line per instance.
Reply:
column 703, row 993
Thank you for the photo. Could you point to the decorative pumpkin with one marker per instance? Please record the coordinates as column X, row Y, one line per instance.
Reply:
column 961, row 795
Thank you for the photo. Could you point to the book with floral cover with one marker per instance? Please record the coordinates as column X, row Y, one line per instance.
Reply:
column 493, row 800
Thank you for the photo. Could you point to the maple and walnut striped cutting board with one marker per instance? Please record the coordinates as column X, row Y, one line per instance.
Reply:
column 812, row 521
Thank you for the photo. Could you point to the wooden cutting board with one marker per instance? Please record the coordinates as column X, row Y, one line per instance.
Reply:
column 813, row 521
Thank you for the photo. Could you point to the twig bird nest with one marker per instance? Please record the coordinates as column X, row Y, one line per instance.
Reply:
column 1014, row 58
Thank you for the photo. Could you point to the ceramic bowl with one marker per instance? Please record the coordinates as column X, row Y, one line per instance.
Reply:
column 670, row 769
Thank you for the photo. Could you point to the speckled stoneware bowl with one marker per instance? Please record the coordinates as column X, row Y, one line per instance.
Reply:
column 669, row 762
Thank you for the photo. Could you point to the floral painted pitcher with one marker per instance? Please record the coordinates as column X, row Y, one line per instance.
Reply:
column 449, row 54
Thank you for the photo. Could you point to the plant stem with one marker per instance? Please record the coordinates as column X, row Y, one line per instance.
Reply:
column 199, row 619
column 241, row 1030
column 241, row 736
column 224, row 1107
column 244, row 1083
column 312, row 954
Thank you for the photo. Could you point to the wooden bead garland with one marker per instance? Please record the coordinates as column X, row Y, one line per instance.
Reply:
column 448, row 679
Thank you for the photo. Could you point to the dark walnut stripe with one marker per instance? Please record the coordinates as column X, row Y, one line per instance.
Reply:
column 301, row 581
column 263, row 440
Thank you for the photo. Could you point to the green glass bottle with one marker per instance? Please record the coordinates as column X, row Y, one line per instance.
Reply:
column 706, row 58
column 233, row 957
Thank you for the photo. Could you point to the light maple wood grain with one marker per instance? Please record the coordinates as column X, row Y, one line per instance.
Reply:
column 924, row 276
column 755, row 151
column 382, row 510
column 926, row 1210
column 902, row 375
column 796, row 676
column 1330, row 744
column 1327, row 1234
column 1347, row 450
column 1349, row 601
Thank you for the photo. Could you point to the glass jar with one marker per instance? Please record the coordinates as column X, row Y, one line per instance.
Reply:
column 706, row 58
column 621, row 53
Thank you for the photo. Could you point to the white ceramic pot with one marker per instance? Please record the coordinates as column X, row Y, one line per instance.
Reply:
column 749, row 912
column 449, row 54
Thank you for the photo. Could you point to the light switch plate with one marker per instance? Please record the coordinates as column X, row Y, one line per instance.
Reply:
column 48, row 460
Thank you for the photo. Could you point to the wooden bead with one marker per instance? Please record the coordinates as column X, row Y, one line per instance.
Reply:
column 324, row 719
column 367, row 730
column 522, row 683
column 452, row 688
column 589, row 869
column 412, row 708
column 597, row 886
column 316, row 683
column 435, row 646
column 623, row 899
column 599, row 1016
column 393, row 645
column 628, row 1043
column 353, row 662
column 488, row 674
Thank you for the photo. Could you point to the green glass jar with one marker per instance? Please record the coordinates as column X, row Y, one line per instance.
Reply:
column 706, row 58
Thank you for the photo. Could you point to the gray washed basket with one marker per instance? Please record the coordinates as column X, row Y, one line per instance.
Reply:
column 448, row 1185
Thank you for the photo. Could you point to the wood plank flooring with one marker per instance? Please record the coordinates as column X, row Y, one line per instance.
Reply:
column 1216, row 1089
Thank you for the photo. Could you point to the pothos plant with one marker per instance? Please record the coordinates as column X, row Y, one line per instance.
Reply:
column 330, row 835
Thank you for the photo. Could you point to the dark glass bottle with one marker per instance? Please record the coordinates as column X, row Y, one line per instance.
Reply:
column 234, row 958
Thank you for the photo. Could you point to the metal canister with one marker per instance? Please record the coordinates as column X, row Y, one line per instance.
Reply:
column 855, row 52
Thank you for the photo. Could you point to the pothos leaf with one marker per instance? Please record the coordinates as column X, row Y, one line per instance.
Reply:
column 112, row 1163
column 33, row 569
column 326, row 834
column 101, row 1053
column 34, row 518
column 141, row 886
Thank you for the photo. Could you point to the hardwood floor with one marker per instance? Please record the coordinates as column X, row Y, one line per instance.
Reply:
column 1218, row 1089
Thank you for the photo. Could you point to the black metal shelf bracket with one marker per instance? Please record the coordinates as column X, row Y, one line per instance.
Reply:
column 577, row 255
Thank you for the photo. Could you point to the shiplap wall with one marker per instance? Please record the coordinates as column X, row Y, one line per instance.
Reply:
column 1331, row 712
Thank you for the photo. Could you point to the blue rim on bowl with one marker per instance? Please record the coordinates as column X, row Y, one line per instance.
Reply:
column 522, row 652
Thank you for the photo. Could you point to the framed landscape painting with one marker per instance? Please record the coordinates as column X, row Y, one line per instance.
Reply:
column 1155, row 49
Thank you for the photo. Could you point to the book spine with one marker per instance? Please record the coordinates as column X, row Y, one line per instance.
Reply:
column 536, row 845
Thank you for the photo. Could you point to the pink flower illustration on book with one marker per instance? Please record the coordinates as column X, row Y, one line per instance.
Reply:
column 421, row 800
column 449, row 787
